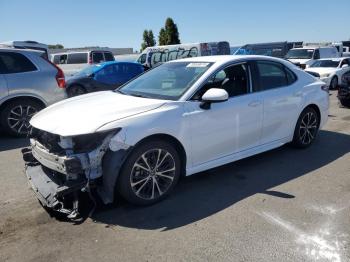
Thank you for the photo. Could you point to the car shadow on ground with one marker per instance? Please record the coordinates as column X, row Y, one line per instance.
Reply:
column 201, row 195
column 9, row 143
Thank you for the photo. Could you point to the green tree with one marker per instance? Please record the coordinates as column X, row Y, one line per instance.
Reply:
column 169, row 34
column 162, row 38
column 148, row 39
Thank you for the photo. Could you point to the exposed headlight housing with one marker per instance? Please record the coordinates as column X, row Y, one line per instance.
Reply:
column 89, row 142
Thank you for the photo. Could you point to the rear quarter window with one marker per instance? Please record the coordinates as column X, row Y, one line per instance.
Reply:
column 15, row 63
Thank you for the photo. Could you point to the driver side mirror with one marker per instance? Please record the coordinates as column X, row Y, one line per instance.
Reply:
column 213, row 95
column 345, row 65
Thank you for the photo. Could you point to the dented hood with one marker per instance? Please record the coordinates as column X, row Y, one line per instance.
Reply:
column 85, row 114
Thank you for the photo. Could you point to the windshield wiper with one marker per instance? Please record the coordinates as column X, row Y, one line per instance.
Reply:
column 138, row 95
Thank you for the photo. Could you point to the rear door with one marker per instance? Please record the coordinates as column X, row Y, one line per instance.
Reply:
column 278, row 88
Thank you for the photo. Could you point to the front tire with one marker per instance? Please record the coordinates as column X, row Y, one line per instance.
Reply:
column 306, row 128
column 16, row 116
column 150, row 173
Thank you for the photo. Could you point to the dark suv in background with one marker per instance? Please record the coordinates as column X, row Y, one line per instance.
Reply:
column 344, row 90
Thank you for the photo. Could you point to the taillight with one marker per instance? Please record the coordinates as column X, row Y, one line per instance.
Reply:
column 61, row 81
column 90, row 59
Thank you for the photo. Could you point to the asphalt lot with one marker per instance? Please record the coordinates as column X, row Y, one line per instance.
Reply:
column 283, row 205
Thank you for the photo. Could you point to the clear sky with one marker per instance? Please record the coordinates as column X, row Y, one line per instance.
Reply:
column 76, row 23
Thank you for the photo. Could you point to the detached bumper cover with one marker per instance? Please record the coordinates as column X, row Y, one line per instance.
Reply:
column 62, row 164
column 48, row 188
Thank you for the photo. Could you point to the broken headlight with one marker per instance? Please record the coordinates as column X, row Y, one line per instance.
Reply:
column 89, row 142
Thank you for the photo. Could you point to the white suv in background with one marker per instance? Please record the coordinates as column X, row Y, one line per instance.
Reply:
column 72, row 62
column 330, row 70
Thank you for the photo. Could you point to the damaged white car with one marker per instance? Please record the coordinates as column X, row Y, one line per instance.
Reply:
column 180, row 118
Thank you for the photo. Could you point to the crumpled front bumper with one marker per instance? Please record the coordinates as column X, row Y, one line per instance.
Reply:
column 52, row 188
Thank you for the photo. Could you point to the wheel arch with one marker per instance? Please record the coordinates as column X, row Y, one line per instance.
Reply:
column 21, row 97
column 113, row 162
column 316, row 108
column 76, row 84
column 172, row 140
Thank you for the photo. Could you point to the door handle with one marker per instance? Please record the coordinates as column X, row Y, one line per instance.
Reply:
column 254, row 103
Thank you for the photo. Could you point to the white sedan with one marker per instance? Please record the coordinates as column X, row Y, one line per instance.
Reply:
column 330, row 70
column 180, row 118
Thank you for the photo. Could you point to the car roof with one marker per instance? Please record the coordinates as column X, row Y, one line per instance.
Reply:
column 20, row 50
column 118, row 62
column 82, row 51
column 222, row 59
column 338, row 59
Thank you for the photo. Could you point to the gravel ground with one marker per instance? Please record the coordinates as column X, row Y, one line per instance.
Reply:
column 283, row 205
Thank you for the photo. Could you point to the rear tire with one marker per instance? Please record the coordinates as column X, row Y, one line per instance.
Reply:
column 16, row 116
column 150, row 173
column 306, row 128
column 76, row 90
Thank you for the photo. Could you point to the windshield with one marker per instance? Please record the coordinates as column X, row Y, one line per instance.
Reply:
column 300, row 54
column 325, row 63
column 168, row 81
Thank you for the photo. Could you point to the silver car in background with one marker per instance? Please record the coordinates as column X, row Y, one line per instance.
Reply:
column 28, row 83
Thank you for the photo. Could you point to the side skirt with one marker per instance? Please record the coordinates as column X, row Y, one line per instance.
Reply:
column 237, row 156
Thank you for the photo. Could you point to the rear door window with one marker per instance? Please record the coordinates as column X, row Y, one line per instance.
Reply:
column 77, row 58
column 109, row 56
column 271, row 75
column 15, row 63
column 97, row 57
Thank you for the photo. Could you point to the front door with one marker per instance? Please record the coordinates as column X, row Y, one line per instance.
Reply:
column 227, row 127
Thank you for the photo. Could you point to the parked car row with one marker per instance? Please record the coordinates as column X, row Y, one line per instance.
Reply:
column 29, row 82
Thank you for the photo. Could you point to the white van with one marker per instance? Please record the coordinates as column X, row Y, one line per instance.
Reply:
column 73, row 61
column 159, row 54
column 27, row 45
column 305, row 56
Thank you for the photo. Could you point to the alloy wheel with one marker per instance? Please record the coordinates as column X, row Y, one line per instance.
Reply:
column 153, row 174
column 19, row 117
column 308, row 128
